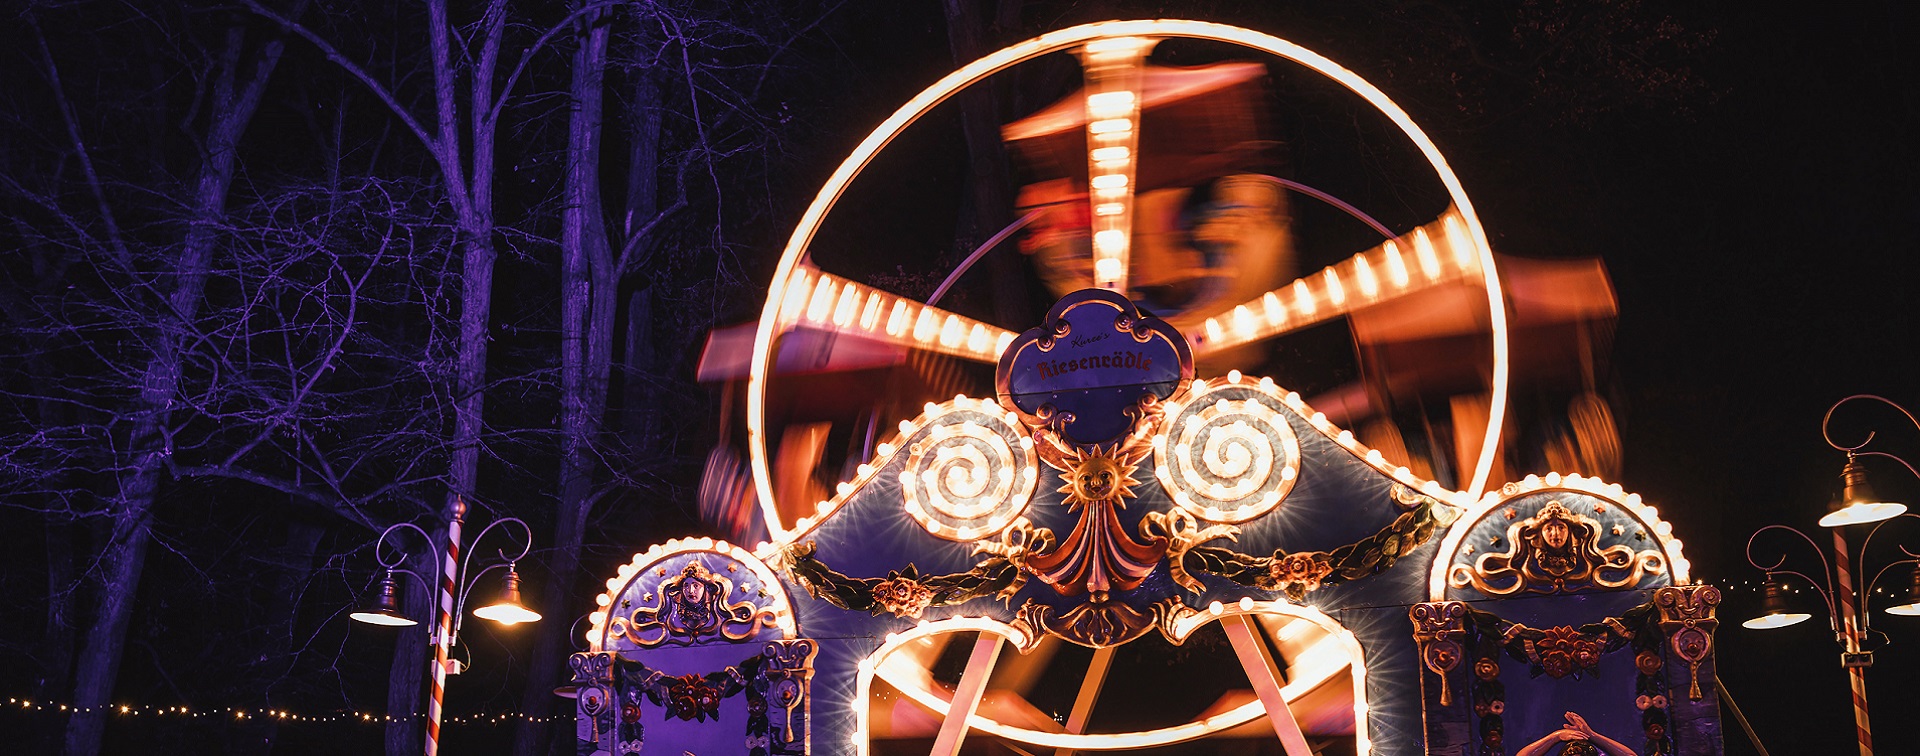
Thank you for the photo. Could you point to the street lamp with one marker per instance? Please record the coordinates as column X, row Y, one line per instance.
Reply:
column 456, row 584
column 1847, row 612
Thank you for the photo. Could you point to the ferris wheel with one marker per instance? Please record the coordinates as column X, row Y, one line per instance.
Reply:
column 1114, row 113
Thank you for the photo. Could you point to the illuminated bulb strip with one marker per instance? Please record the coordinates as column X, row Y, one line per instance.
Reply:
column 1648, row 517
column 1114, row 79
column 822, row 301
column 1348, row 285
column 1101, row 38
column 623, row 579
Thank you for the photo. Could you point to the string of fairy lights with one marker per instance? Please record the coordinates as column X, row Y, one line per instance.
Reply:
column 16, row 704
column 1792, row 585
column 265, row 713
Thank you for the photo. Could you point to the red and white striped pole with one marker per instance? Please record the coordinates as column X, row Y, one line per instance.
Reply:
column 443, row 641
column 1850, row 630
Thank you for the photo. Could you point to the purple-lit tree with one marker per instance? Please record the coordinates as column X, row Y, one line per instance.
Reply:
column 147, row 263
column 692, row 77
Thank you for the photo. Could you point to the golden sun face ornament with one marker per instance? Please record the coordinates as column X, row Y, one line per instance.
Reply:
column 1098, row 477
column 1099, row 556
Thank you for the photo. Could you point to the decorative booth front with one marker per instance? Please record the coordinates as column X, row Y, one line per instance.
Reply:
column 1455, row 626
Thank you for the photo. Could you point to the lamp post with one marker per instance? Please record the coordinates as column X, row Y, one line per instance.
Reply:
column 1847, row 610
column 457, row 581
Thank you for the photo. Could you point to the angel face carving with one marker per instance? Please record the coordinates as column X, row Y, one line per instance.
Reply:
column 1556, row 550
column 692, row 606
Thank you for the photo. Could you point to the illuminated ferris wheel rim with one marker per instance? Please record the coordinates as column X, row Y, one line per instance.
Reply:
column 1065, row 39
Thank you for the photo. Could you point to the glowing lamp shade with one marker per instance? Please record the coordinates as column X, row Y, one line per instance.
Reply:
column 508, row 610
column 1773, row 608
column 386, row 607
column 1910, row 606
column 1858, row 503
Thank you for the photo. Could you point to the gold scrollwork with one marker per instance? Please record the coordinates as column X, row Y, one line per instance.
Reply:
column 1687, row 618
column 1553, row 551
column 1096, row 624
column 1183, row 532
column 1437, row 630
column 692, row 606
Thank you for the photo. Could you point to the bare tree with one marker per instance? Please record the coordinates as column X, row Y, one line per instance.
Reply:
column 164, row 293
column 667, row 231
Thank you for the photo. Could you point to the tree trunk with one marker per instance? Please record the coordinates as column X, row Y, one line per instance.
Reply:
column 406, row 676
column 643, row 204
column 470, row 190
column 588, row 284
column 124, row 557
column 56, row 645
column 989, row 198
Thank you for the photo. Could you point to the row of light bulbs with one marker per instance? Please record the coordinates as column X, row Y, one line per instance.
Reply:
column 279, row 715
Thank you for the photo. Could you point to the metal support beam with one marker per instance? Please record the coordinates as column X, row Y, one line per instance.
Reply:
column 1089, row 694
column 966, row 699
column 1265, row 677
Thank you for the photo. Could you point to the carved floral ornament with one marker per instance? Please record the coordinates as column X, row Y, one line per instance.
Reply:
column 1556, row 550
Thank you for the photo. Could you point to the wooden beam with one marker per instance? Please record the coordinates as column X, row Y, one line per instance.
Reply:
column 966, row 699
column 1089, row 694
column 1265, row 677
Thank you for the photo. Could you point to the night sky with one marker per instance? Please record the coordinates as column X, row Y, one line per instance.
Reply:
column 1747, row 177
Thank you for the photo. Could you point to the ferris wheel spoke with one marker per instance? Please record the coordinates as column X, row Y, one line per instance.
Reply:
column 1115, row 78
column 817, row 300
column 1440, row 252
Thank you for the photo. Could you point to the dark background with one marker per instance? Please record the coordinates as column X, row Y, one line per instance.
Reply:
column 1744, row 170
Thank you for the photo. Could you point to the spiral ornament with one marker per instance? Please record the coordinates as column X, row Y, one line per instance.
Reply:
column 1228, row 455
column 968, row 473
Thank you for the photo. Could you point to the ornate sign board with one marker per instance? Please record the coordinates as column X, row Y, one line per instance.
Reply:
column 1091, row 365
column 1214, row 499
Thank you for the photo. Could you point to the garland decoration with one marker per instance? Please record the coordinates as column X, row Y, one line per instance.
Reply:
column 906, row 592
column 1301, row 572
column 691, row 698
column 1566, row 651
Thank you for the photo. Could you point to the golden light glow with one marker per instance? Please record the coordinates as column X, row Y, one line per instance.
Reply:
column 1772, row 621
column 1100, row 39
column 969, row 472
column 1227, row 460
column 1113, row 82
column 842, row 306
column 1862, row 513
column 507, row 614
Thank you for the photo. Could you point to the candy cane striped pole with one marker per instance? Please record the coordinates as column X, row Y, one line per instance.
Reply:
column 1857, row 675
column 443, row 641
